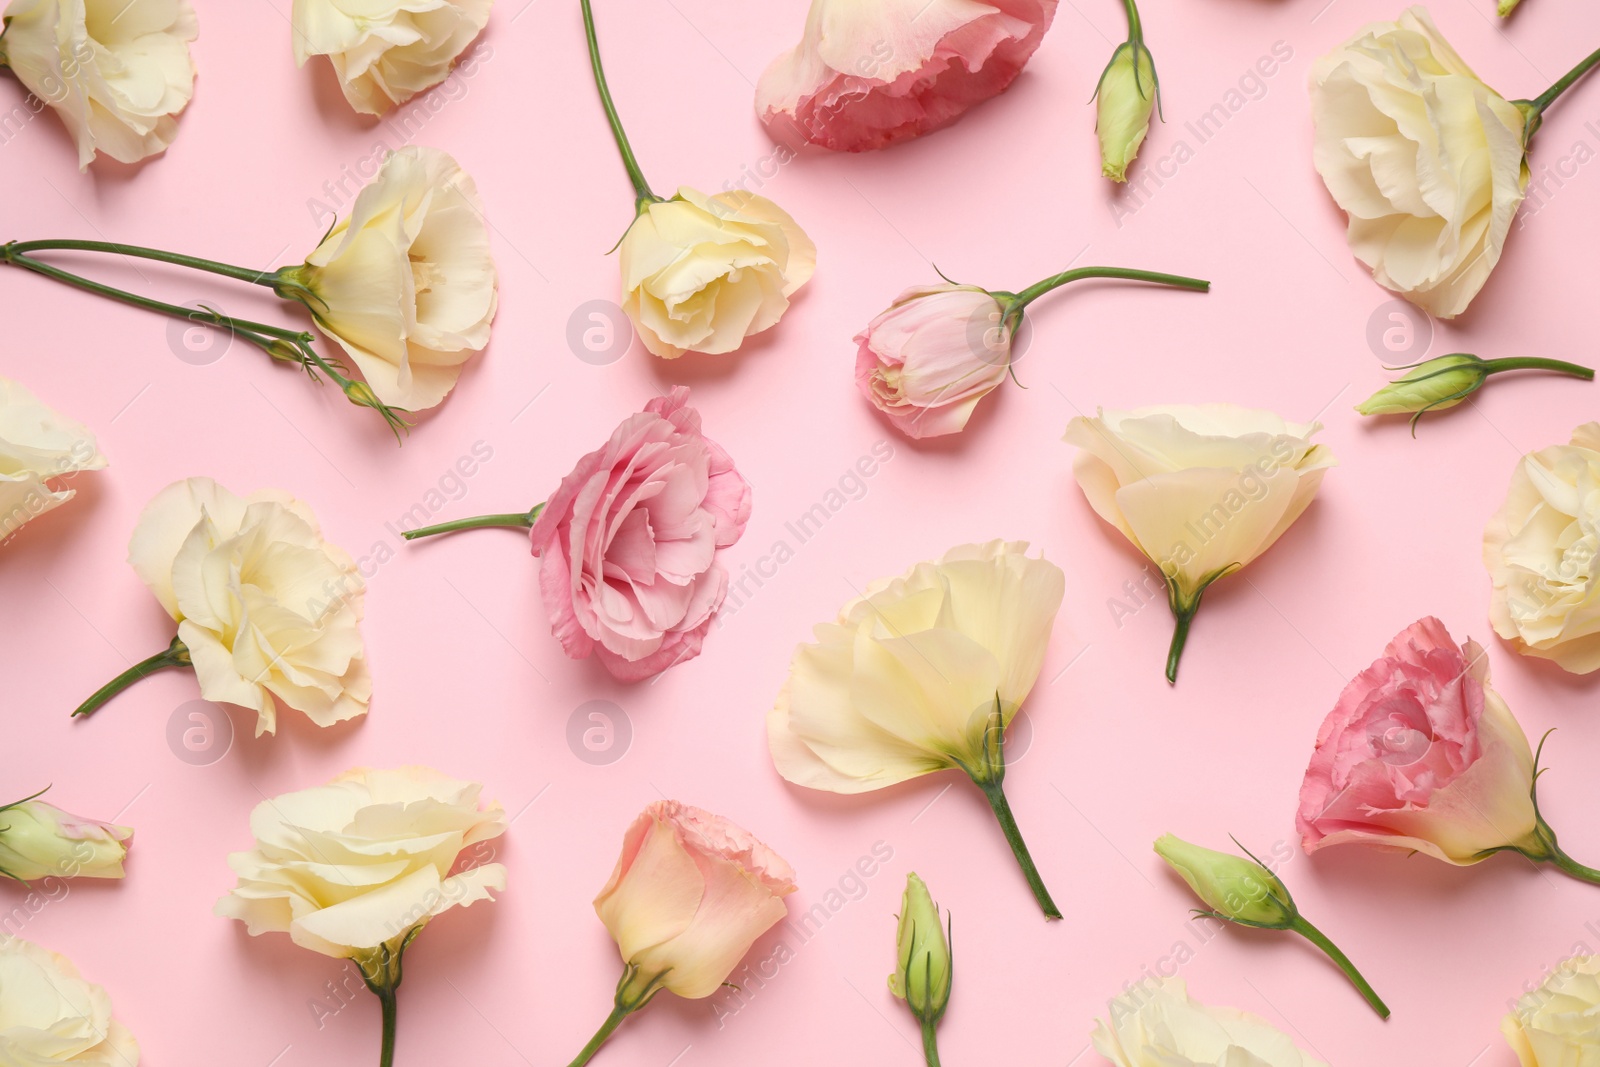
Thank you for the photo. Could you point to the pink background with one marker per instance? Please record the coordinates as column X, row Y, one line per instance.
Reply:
column 470, row 680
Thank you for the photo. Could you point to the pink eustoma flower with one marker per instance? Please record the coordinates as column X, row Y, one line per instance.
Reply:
column 1421, row 754
column 929, row 359
column 628, row 544
column 870, row 73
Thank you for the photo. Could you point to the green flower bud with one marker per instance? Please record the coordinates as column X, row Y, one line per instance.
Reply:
column 1438, row 383
column 1237, row 889
column 922, row 977
column 1127, row 98
column 1507, row 6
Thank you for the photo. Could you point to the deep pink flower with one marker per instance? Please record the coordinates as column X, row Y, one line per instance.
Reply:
column 1421, row 754
column 628, row 544
column 870, row 73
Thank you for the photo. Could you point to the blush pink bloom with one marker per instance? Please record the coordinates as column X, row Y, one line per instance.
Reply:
column 870, row 73
column 929, row 359
column 1421, row 754
column 690, row 894
column 628, row 544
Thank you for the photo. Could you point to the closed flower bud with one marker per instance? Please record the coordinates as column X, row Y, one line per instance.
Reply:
column 1508, row 6
column 1127, row 98
column 1447, row 381
column 1438, row 383
column 923, row 967
column 39, row 840
column 1237, row 889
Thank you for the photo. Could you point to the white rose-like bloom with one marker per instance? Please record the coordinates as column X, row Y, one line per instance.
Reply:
column 406, row 284
column 353, row 869
column 1200, row 490
column 905, row 682
column 1425, row 159
column 267, row 609
column 386, row 52
column 701, row 273
column 37, row 446
column 50, row 1015
column 116, row 71
column 1541, row 550
column 1157, row 1024
column 1558, row 1024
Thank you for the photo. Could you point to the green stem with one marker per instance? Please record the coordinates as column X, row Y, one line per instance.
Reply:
column 1135, row 27
column 281, row 343
column 244, row 274
column 1318, row 938
column 252, row 330
column 1182, row 620
column 930, row 1043
column 516, row 522
column 641, row 188
column 1548, row 97
column 176, row 655
column 996, row 796
column 1034, row 292
column 1495, row 366
column 388, row 1000
column 613, row 1020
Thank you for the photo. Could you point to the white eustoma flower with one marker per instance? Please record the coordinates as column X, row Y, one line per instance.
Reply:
column 386, row 51
column 118, row 72
column 1425, row 159
column 406, row 284
column 38, row 448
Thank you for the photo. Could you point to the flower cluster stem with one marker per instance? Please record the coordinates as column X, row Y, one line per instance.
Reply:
column 244, row 274
column 521, row 521
column 281, row 343
column 1321, row 940
column 175, row 655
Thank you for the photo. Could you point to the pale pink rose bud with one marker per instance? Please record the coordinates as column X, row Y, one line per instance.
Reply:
column 1421, row 754
column 929, row 359
column 870, row 73
column 39, row 840
column 690, row 894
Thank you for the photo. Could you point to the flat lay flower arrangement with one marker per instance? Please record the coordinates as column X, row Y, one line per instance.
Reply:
column 843, row 531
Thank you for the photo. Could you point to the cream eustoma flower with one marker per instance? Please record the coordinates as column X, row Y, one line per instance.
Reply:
column 405, row 284
column 363, row 862
column 50, row 1015
column 1425, row 159
column 386, row 52
column 701, row 273
column 116, row 71
column 1200, row 490
column 1157, row 1024
column 37, row 447
column 1558, row 1024
column 1541, row 549
column 267, row 610
column 921, row 674
column 356, row 868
